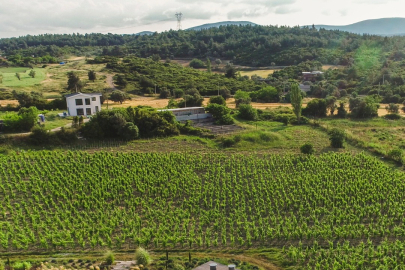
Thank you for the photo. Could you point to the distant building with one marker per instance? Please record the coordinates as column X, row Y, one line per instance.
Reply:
column 305, row 88
column 83, row 104
column 311, row 76
column 190, row 113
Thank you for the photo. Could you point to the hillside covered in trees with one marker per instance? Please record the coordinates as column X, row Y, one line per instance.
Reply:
column 245, row 45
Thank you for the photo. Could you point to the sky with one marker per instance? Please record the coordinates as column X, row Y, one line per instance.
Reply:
column 22, row 17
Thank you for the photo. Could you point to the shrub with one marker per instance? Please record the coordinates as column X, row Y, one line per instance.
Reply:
column 109, row 258
column 225, row 93
column 129, row 132
column 392, row 116
column 396, row 154
column 337, row 137
column 164, row 93
column 40, row 136
column 217, row 100
column 65, row 135
column 315, row 108
column 178, row 93
column 142, row 256
column 197, row 63
column 21, row 265
column 220, row 114
column 1, row 265
column 392, row 108
column 341, row 111
column 242, row 97
column 247, row 112
column 307, row 148
column 225, row 120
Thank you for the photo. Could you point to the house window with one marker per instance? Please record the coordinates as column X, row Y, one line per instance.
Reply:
column 87, row 100
column 93, row 99
column 97, row 109
column 80, row 111
column 88, row 111
column 79, row 101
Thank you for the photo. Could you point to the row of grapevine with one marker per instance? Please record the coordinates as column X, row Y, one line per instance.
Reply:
column 76, row 200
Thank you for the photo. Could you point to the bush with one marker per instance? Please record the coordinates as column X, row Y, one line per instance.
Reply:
column 109, row 258
column 178, row 93
column 307, row 149
column 337, row 137
column 197, row 63
column 396, row 154
column 247, row 112
column 242, row 97
column 217, row 100
column 220, row 114
column 142, row 257
column 21, row 265
column 164, row 93
column 40, row 136
column 129, row 132
column 65, row 135
column 1, row 265
column 225, row 93
column 315, row 108
column 341, row 111
column 392, row 108
column 392, row 116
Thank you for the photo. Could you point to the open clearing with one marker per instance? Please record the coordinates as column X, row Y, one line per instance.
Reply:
column 10, row 79
column 264, row 73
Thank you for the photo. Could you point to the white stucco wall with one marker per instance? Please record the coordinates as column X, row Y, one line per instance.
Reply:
column 72, row 107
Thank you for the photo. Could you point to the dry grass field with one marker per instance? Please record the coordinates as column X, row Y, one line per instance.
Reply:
column 264, row 73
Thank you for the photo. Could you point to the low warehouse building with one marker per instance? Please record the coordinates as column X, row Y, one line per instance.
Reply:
column 190, row 113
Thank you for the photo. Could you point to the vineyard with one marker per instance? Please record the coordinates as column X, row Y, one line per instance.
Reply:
column 335, row 211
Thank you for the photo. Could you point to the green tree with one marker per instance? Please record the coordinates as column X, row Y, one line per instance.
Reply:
column 209, row 68
column 225, row 93
column 341, row 111
column 247, row 112
column 218, row 62
column 1, row 78
column 164, row 93
column 18, row 76
column 230, row 71
column 220, row 113
column 218, row 100
column 242, row 97
column 296, row 100
column 337, row 137
column 119, row 96
column 197, row 63
column 32, row 73
column 92, row 75
column 74, row 83
column 330, row 104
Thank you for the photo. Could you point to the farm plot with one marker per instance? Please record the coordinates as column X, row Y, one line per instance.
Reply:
column 333, row 204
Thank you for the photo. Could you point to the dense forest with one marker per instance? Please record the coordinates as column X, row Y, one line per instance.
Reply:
column 244, row 45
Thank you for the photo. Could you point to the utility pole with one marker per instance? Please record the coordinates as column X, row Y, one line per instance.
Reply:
column 155, row 88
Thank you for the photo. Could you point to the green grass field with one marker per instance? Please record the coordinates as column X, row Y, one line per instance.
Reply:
column 10, row 79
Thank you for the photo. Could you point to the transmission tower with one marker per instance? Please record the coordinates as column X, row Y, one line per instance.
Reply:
column 179, row 16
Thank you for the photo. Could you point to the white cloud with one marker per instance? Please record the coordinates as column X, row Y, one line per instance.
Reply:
column 19, row 17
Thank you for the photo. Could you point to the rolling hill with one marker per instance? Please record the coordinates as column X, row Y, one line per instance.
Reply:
column 218, row 24
column 382, row 27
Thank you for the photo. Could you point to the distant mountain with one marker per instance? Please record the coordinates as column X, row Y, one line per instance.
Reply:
column 381, row 27
column 218, row 24
column 144, row 33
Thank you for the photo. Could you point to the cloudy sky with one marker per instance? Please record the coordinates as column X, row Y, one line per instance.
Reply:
column 22, row 17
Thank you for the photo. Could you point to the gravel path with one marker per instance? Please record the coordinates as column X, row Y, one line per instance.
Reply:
column 123, row 265
column 110, row 81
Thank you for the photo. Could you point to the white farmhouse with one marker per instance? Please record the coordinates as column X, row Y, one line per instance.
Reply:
column 83, row 104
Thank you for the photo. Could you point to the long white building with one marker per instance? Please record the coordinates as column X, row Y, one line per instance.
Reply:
column 83, row 104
